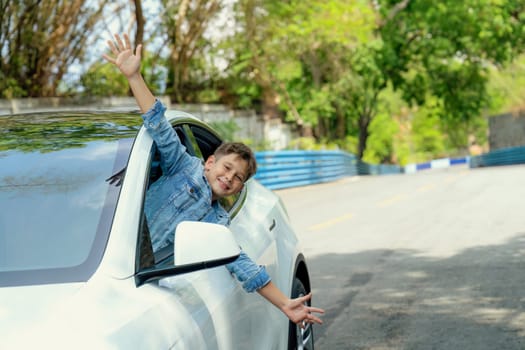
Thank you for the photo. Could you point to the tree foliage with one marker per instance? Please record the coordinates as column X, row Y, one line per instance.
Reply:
column 329, row 66
column 294, row 51
column 40, row 40
column 507, row 87
column 327, row 63
column 185, row 22
column 443, row 48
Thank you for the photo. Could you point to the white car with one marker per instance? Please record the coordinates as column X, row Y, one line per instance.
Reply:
column 76, row 265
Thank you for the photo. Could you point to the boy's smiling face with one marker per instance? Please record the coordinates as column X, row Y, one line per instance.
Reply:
column 226, row 174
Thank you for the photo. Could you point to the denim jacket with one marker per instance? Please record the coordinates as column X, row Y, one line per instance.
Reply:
column 182, row 193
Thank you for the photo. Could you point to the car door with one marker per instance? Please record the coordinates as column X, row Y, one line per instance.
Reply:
column 215, row 301
column 253, row 228
column 258, row 323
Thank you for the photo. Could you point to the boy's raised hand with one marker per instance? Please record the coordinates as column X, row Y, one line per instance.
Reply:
column 127, row 62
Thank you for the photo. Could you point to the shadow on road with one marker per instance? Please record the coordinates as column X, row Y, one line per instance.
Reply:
column 392, row 299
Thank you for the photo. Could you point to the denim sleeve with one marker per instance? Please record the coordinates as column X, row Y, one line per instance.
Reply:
column 173, row 153
column 252, row 276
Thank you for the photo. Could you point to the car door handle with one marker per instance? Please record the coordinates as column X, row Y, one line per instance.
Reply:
column 272, row 226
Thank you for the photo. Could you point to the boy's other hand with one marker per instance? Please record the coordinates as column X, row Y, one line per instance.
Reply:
column 299, row 313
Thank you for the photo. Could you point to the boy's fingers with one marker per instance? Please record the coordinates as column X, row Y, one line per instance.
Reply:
column 315, row 319
column 316, row 309
column 126, row 40
column 109, row 59
column 112, row 47
column 306, row 297
column 119, row 42
column 138, row 50
column 309, row 319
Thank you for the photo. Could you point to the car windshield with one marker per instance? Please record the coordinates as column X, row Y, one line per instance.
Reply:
column 57, row 197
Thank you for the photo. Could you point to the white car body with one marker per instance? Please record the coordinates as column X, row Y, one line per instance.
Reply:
column 204, row 309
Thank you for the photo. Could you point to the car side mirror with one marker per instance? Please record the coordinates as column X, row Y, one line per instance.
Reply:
column 197, row 246
column 203, row 243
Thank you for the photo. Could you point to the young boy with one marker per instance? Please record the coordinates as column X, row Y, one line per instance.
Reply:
column 189, row 191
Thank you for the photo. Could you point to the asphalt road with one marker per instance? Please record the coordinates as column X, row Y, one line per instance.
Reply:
column 432, row 260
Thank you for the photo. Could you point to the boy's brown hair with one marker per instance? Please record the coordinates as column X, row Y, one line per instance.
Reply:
column 243, row 151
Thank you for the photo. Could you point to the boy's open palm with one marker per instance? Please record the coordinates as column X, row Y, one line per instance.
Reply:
column 125, row 60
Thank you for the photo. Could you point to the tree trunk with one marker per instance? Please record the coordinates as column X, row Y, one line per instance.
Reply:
column 41, row 39
column 364, row 122
column 185, row 28
column 270, row 107
column 340, row 129
column 139, row 35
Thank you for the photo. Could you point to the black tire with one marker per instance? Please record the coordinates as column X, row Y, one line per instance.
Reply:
column 299, row 338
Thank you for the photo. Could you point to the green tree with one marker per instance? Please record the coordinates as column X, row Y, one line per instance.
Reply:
column 442, row 50
column 507, row 87
column 327, row 63
column 294, row 53
column 384, row 143
column 40, row 40
column 185, row 23
column 427, row 135
column 102, row 79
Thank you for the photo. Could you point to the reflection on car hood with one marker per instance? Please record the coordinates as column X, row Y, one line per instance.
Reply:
column 46, row 132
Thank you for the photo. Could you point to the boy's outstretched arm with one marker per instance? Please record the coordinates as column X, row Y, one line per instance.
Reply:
column 129, row 65
column 294, row 309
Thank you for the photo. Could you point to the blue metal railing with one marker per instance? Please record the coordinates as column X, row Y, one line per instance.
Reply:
column 281, row 169
column 364, row 168
column 504, row 156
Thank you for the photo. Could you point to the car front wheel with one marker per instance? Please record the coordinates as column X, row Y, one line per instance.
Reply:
column 300, row 338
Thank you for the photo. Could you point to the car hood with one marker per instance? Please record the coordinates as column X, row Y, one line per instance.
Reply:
column 103, row 313
column 57, row 316
column 33, row 316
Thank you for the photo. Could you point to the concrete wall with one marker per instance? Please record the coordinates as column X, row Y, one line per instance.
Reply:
column 46, row 104
column 507, row 130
